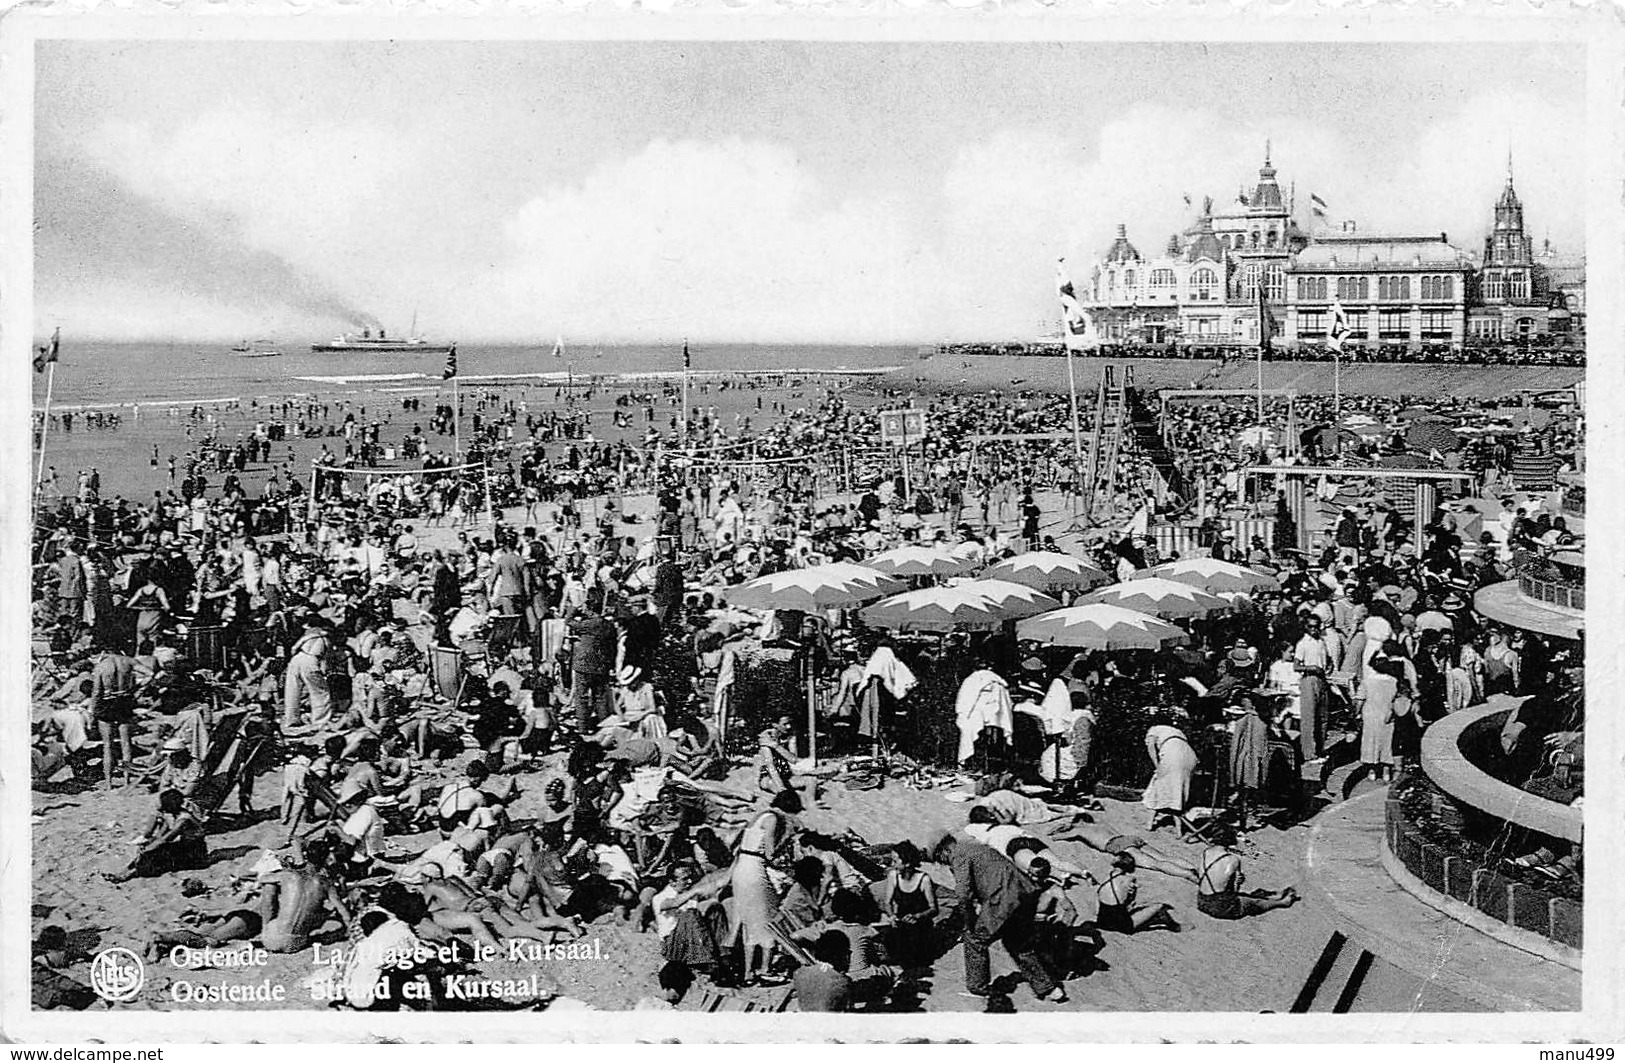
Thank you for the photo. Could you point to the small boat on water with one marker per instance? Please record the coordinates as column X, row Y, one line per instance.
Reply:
column 256, row 349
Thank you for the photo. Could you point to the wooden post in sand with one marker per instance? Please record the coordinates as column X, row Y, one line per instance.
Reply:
column 45, row 425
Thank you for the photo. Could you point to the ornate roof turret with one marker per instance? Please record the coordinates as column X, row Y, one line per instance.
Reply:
column 1266, row 197
column 1508, row 209
column 1173, row 246
column 1121, row 250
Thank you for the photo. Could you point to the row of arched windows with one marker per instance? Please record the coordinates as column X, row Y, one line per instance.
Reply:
column 1391, row 288
column 1242, row 241
column 1435, row 289
column 1202, row 281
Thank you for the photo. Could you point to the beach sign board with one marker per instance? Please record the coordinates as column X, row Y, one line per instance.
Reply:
column 902, row 427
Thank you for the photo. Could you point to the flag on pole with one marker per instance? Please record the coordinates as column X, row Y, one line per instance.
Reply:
column 47, row 354
column 1078, row 327
column 1337, row 330
column 451, row 363
column 1266, row 320
column 688, row 362
column 1317, row 206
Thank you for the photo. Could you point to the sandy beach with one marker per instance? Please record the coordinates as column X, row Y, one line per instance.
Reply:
column 1249, row 966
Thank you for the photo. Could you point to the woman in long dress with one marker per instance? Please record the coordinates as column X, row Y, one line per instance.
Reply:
column 1380, row 683
column 1169, row 791
column 769, row 838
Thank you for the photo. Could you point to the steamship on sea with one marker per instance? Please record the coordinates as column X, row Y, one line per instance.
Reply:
column 383, row 343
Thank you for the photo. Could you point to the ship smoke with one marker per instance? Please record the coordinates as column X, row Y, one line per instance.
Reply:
column 201, row 252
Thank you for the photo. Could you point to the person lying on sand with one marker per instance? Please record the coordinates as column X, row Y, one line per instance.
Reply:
column 291, row 906
column 1008, row 806
column 455, row 907
column 1105, row 840
column 1021, row 846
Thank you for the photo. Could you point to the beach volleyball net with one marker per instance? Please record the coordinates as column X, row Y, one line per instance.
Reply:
column 455, row 494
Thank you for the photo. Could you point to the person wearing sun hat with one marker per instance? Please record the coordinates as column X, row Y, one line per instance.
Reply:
column 181, row 771
column 635, row 702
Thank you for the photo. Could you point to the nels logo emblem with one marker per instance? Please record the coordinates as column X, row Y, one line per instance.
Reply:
column 117, row 974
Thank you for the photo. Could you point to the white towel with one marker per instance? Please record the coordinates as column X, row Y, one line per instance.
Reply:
column 884, row 665
column 983, row 701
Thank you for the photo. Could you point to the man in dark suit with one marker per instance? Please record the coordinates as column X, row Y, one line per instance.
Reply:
column 445, row 596
column 999, row 903
column 70, row 584
column 591, row 660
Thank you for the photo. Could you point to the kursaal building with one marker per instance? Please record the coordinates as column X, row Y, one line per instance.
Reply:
column 1401, row 289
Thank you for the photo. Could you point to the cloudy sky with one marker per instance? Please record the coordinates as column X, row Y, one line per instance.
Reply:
column 772, row 191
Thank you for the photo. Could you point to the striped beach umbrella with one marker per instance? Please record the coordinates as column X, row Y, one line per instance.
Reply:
column 1100, row 627
column 919, row 561
column 973, row 605
column 1214, row 576
column 934, row 609
column 1166, row 598
column 1049, row 571
column 817, row 587
column 1015, row 600
column 1432, row 435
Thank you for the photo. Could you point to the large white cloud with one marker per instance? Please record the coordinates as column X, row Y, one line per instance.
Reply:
column 733, row 239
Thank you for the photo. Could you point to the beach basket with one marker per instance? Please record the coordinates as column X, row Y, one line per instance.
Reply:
column 446, row 668
column 206, row 646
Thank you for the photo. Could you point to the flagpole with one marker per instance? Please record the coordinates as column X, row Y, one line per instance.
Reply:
column 1077, row 433
column 456, row 421
column 1337, row 402
column 1263, row 337
column 685, row 394
column 45, row 425
column 1260, row 384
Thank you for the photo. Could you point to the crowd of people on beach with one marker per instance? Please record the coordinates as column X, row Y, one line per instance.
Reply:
column 1544, row 350
column 494, row 704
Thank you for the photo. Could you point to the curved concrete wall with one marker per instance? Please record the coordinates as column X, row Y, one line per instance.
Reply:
column 1447, row 765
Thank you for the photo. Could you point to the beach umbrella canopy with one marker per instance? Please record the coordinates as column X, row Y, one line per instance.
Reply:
column 1049, row 571
column 919, row 561
column 1100, row 627
column 1160, row 597
column 1014, row 600
column 1360, row 420
column 1212, row 575
column 1432, row 435
column 810, row 589
column 935, row 609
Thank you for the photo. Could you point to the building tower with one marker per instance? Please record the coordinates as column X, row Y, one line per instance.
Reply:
column 1508, row 277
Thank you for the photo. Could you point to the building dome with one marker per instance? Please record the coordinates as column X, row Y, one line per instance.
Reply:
column 1206, row 243
column 1121, row 250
